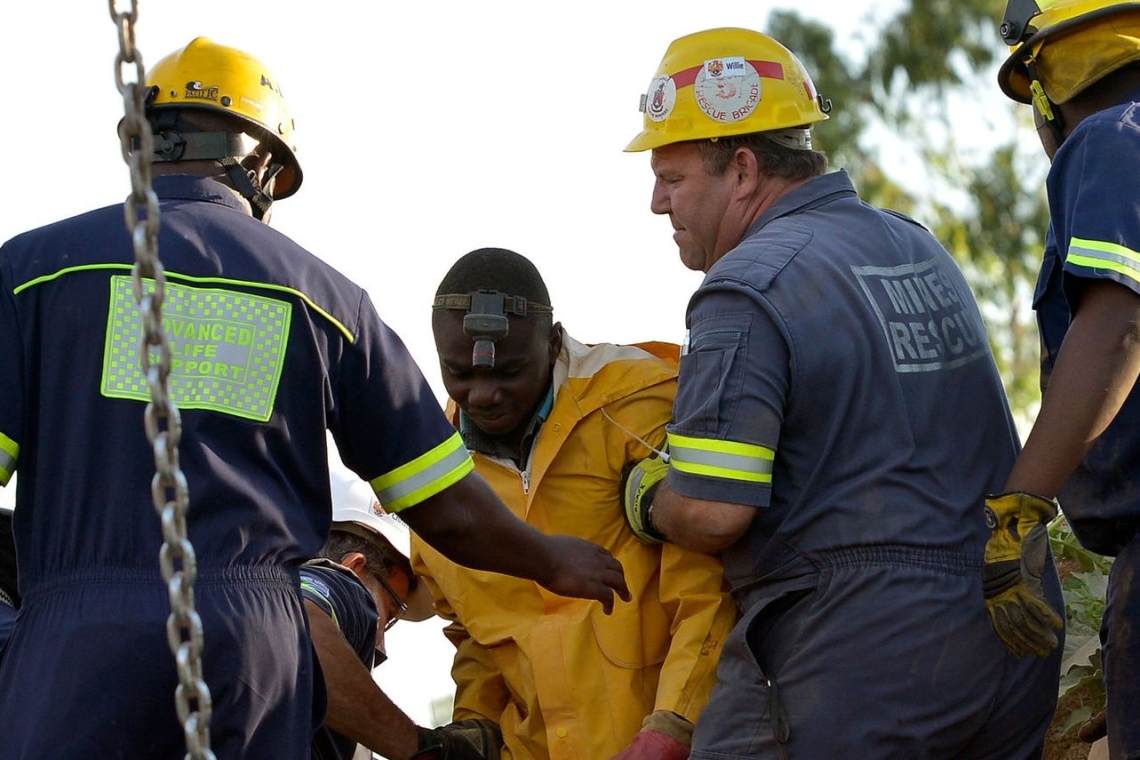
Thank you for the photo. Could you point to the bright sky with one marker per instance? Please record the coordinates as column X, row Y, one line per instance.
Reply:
column 425, row 131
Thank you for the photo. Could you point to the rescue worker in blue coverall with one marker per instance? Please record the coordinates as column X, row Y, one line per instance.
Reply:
column 361, row 585
column 838, row 420
column 1078, row 63
column 270, row 348
column 9, row 591
column 355, row 591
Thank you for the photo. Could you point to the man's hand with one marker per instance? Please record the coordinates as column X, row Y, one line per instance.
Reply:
column 471, row 739
column 587, row 571
column 1014, row 563
column 640, row 487
column 664, row 735
column 471, row 526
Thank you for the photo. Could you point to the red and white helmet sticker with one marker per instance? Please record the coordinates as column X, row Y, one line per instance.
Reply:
column 661, row 98
column 727, row 89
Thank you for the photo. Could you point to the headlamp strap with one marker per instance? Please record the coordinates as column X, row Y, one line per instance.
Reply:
column 517, row 305
column 486, row 319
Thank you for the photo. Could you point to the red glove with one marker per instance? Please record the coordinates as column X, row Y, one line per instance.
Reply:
column 653, row 745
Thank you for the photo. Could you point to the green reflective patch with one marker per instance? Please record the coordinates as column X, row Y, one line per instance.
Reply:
column 227, row 349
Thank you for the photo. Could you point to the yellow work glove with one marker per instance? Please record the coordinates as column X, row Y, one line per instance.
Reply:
column 640, row 487
column 1014, row 564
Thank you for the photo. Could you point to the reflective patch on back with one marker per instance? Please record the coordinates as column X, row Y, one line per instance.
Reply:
column 227, row 349
column 926, row 313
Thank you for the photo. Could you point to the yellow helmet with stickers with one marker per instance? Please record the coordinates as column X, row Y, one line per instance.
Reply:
column 728, row 81
column 206, row 75
column 1060, row 47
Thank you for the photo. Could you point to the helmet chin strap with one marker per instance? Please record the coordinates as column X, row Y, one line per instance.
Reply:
column 1048, row 110
column 245, row 181
column 175, row 140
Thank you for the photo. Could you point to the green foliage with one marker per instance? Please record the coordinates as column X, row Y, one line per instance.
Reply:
column 1084, row 580
column 984, row 199
column 928, row 39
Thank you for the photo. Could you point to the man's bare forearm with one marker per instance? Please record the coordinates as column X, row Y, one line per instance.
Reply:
column 357, row 707
column 1095, row 371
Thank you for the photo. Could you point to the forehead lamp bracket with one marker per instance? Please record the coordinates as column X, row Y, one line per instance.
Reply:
column 485, row 323
column 486, row 320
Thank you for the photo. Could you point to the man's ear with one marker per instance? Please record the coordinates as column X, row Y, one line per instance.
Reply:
column 354, row 561
column 745, row 170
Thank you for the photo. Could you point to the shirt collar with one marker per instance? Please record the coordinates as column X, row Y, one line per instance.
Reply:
column 815, row 191
column 190, row 187
column 476, row 440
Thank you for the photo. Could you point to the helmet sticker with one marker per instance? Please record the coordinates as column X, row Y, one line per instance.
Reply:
column 727, row 89
column 197, row 91
column 661, row 98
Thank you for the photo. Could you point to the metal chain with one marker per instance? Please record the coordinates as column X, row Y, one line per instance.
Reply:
column 163, row 422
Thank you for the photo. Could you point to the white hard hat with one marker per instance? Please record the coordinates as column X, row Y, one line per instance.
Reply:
column 355, row 504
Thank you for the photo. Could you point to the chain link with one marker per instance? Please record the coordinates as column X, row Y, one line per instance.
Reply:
column 163, row 422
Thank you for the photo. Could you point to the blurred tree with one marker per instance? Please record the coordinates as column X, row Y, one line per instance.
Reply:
column 925, row 89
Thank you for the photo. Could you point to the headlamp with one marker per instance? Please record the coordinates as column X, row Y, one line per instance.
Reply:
column 486, row 319
column 1014, row 27
column 485, row 323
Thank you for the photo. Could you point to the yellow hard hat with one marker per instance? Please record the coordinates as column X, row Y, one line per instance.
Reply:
column 1070, row 44
column 210, row 76
column 723, row 82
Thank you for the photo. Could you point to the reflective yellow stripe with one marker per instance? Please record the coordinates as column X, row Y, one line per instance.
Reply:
column 203, row 280
column 9, row 452
column 721, row 459
column 424, row 476
column 1096, row 254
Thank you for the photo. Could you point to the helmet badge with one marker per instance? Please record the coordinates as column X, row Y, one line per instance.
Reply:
column 195, row 90
column 662, row 98
column 727, row 89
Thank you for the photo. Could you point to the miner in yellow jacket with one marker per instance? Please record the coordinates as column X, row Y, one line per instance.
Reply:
column 554, row 426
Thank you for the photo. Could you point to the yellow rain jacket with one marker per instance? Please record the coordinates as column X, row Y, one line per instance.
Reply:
column 562, row 678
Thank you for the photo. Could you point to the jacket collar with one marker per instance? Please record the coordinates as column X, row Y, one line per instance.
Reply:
column 815, row 192
column 476, row 440
column 190, row 187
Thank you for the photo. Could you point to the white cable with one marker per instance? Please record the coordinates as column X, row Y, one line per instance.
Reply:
column 663, row 454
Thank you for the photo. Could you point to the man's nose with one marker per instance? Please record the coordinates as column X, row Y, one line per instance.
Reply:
column 482, row 391
column 659, row 202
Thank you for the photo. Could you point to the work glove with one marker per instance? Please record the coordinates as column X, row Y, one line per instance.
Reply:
column 664, row 735
column 640, row 487
column 471, row 739
column 1014, row 563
